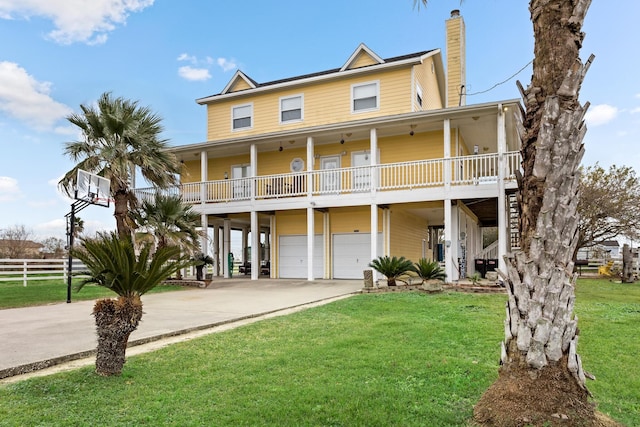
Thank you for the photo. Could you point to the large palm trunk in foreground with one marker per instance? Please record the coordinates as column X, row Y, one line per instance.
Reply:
column 115, row 320
column 541, row 372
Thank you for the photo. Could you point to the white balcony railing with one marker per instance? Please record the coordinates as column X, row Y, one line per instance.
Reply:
column 467, row 170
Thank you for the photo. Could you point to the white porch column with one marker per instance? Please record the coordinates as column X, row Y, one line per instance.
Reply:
column 226, row 250
column 447, row 154
column 267, row 245
column 502, row 198
column 204, row 239
column 255, row 246
column 254, row 168
column 216, row 250
column 326, row 238
column 310, row 238
column 310, row 154
column 245, row 244
column 204, row 176
column 448, row 261
column 373, row 158
column 374, row 237
column 273, row 233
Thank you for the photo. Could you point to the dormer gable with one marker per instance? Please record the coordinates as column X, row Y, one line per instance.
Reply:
column 362, row 57
column 239, row 81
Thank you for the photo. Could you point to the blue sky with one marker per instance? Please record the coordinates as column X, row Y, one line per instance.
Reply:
column 58, row 54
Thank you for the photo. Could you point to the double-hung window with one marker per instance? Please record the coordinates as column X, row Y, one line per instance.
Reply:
column 291, row 109
column 242, row 116
column 365, row 97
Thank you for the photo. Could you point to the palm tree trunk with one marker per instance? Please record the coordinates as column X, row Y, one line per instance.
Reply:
column 121, row 212
column 115, row 320
column 541, row 333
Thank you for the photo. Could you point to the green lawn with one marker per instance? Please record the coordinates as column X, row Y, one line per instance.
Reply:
column 39, row 292
column 397, row 359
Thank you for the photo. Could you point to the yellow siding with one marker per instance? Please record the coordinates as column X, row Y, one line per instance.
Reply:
column 239, row 84
column 350, row 219
column 423, row 145
column 295, row 222
column 324, row 103
column 426, row 76
column 362, row 60
column 427, row 145
column 407, row 233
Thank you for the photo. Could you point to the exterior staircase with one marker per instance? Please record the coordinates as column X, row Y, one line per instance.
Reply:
column 514, row 221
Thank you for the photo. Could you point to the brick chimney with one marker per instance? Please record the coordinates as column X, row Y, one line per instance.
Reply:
column 456, row 62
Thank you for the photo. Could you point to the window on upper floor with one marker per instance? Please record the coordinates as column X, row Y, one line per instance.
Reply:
column 365, row 97
column 242, row 116
column 419, row 95
column 291, row 109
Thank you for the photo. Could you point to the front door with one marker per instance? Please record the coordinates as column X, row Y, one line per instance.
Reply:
column 330, row 182
column 241, row 187
column 361, row 175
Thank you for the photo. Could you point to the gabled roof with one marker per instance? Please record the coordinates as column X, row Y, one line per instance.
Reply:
column 241, row 78
column 361, row 50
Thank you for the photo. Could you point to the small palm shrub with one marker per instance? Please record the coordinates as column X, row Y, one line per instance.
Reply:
column 391, row 267
column 475, row 278
column 201, row 260
column 429, row 270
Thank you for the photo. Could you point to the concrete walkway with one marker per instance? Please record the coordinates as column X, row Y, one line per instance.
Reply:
column 35, row 338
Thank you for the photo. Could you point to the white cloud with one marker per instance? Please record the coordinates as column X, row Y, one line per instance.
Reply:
column 635, row 110
column 187, row 57
column 75, row 20
column 26, row 99
column 194, row 74
column 226, row 64
column 600, row 114
column 9, row 189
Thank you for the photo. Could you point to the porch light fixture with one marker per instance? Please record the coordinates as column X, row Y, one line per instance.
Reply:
column 280, row 149
column 226, row 175
column 412, row 128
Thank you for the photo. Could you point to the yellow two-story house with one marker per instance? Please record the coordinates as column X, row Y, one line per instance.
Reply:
column 330, row 170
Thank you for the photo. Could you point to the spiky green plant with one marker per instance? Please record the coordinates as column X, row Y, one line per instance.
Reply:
column 429, row 270
column 111, row 262
column 392, row 267
column 200, row 260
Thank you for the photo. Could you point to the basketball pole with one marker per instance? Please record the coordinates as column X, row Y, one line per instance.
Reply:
column 76, row 206
column 72, row 229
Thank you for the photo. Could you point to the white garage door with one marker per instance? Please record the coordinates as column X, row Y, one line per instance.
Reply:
column 293, row 257
column 352, row 254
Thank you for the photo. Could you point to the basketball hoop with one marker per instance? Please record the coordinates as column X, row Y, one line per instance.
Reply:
column 89, row 189
column 102, row 201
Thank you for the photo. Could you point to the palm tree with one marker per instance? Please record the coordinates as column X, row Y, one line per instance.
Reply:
column 391, row 267
column 112, row 262
column 119, row 135
column 78, row 226
column 168, row 221
column 429, row 270
column 539, row 351
column 201, row 260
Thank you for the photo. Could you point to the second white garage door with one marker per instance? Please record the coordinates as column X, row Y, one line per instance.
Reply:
column 293, row 257
column 352, row 254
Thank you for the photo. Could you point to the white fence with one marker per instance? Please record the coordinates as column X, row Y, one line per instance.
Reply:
column 25, row 270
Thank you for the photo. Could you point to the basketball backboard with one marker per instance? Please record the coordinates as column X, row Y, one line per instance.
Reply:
column 92, row 188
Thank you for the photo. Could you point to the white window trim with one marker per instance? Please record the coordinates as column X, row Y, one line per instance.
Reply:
column 355, row 85
column 419, row 94
column 299, row 95
column 233, row 107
